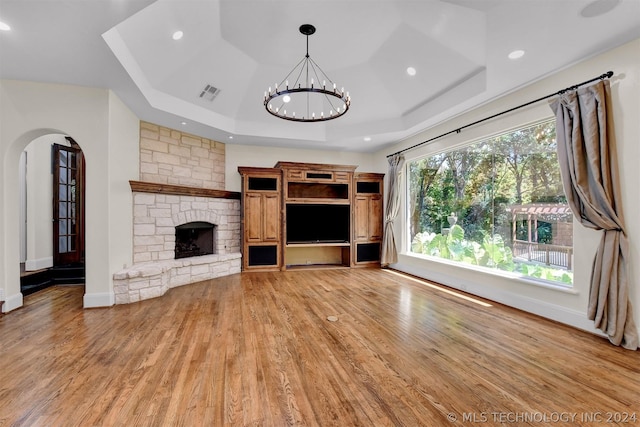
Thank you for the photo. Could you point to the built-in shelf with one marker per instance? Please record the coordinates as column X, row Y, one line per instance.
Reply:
column 368, row 187
column 316, row 267
column 315, row 190
column 257, row 183
column 317, row 244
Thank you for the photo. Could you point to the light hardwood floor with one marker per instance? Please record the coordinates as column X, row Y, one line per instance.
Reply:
column 257, row 349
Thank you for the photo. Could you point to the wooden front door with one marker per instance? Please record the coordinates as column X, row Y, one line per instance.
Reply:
column 68, row 205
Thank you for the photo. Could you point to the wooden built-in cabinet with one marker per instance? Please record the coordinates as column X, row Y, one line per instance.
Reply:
column 318, row 218
column 261, row 218
column 301, row 215
column 368, row 205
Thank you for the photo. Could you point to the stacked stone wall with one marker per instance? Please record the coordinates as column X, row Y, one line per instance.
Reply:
column 168, row 156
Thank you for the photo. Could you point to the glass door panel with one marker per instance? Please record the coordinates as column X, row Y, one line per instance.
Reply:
column 67, row 215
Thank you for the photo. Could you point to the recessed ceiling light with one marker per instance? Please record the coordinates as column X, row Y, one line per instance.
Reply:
column 367, row 138
column 230, row 136
column 516, row 54
column 4, row 27
column 598, row 7
column 183, row 123
column 411, row 71
column 177, row 35
column 286, row 98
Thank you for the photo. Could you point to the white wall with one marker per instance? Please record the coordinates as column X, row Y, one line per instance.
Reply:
column 104, row 128
column 22, row 173
column 39, row 208
column 124, row 160
column 563, row 306
column 39, row 193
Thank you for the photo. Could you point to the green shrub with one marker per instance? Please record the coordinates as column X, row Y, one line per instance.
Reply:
column 492, row 252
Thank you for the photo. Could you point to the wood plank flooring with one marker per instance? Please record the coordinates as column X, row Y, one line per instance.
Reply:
column 257, row 349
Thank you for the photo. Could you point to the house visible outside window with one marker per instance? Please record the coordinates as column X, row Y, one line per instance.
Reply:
column 497, row 204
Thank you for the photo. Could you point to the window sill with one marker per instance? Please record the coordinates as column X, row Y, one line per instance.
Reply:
column 516, row 277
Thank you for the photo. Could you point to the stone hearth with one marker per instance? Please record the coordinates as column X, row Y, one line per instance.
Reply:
column 158, row 209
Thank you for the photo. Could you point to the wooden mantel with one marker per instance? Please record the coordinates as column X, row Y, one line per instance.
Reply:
column 181, row 190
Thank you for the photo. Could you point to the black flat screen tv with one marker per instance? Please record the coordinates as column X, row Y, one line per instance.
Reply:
column 317, row 223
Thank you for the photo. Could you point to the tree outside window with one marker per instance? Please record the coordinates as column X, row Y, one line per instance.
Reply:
column 497, row 203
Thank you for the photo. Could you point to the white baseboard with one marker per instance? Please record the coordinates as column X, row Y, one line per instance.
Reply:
column 12, row 302
column 101, row 299
column 38, row 264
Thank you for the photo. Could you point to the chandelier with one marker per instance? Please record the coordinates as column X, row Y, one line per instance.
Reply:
column 307, row 94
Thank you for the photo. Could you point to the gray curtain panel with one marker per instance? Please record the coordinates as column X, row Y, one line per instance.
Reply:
column 588, row 166
column 389, row 252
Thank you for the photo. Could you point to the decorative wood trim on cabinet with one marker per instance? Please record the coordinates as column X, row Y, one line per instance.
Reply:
column 368, row 218
column 261, row 213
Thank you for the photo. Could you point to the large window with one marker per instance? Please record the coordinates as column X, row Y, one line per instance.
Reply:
column 497, row 203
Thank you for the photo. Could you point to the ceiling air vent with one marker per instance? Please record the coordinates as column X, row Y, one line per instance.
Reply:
column 209, row 93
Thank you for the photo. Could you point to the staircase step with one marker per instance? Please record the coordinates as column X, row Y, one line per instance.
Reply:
column 35, row 282
column 68, row 274
column 59, row 275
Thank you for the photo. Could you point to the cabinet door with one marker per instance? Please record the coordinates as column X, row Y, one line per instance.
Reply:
column 375, row 217
column 368, row 218
column 262, row 217
column 253, row 217
column 362, row 218
column 271, row 217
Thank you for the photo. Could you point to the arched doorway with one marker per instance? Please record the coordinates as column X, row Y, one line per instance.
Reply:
column 52, row 174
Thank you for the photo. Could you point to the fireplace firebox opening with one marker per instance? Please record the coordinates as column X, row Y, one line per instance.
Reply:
column 194, row 239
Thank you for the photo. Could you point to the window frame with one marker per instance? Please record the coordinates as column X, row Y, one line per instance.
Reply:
column 406, row 241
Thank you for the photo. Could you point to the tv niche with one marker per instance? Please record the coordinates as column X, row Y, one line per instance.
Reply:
column 318, row 223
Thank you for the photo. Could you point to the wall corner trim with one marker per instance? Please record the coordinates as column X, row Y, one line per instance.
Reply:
column 12, row 302
column 99, row 299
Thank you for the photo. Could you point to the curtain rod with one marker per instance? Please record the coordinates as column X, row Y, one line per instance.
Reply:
column 606, row 75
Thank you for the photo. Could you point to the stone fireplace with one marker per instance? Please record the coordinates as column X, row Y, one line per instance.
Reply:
column 179, row 195
column 158, row 214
